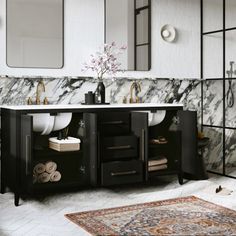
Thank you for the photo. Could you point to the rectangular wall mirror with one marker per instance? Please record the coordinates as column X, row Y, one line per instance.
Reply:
column 35, row 33
column 128, row 22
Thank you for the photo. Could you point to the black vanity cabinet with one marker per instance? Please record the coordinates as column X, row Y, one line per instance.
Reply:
column 115, row 148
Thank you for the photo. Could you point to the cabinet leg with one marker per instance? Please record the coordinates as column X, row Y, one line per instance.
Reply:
column 180, row 177
column 3, row 188
column 16, row 199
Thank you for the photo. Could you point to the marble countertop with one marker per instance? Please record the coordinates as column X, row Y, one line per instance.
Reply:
column 97, row 106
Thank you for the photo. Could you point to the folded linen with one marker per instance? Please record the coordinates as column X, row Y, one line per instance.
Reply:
column 43, row 178
column 55, row 176
column 160, row 161
column 39, row 168
column 157, row 167
column 50, row 167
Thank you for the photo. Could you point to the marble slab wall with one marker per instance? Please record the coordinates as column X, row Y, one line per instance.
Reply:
column 15, row 91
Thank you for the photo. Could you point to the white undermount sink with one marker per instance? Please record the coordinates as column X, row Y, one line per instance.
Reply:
column 46, row 123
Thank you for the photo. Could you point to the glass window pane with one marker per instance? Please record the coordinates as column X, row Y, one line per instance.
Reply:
column 230, row 7
column 213, row 55
column 141, row 3
column 213, row 153
column 213, row 102
column 212, row 15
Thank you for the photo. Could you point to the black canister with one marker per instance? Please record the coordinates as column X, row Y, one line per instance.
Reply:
column 89, row 98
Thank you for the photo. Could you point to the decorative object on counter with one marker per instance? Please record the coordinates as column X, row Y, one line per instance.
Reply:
column 64, row 145
column 89, row 98
column 104, row 62
column 100, row 93
column 168, row 33
column 43, row 173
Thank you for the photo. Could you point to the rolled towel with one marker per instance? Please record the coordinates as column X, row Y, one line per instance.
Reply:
column 44, row 177
column 50, row 167
column 55, row 176
column 39, row 169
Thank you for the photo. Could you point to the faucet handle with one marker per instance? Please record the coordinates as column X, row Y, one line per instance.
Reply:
column 45, row 101
column 29, row 101
column 37, row 101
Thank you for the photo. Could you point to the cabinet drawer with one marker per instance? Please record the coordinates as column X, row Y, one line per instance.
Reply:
column 114, row 123
column 121, row 172
column 119, row 147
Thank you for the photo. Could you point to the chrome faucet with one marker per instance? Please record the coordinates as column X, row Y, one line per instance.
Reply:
column 137, row 87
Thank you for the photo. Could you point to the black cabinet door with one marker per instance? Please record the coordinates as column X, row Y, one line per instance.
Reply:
column 188, row 127
column 26, row 149
column 91, row 146
column 139, row 126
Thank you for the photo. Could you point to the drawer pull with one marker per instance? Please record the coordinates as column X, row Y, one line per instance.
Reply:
column 131, row 172
column 119, row 147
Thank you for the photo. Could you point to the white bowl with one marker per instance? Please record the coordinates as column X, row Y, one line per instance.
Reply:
column 156, row 118
column 62, row 120
column 49, row 126
column 40, row 121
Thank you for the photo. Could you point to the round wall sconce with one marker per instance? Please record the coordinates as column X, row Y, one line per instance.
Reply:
column 168, row 33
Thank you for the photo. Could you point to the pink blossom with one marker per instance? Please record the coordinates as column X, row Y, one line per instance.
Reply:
column 105, row 60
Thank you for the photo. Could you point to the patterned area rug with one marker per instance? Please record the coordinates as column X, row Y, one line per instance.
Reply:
column 180, row 216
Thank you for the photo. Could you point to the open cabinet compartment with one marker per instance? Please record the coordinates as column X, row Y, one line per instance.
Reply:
column 169, row 150
column 72, row 165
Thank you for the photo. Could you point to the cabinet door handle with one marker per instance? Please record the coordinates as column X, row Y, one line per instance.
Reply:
column 119, row 147
column 143, row 145
column 131, row 172
column 27, row 153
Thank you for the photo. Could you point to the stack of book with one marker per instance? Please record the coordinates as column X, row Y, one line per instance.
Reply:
column 157, row 163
